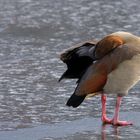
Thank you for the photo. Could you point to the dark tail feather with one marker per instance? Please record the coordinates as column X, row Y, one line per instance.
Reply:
column 75, row 100
column 62, row 77
column 68, row 74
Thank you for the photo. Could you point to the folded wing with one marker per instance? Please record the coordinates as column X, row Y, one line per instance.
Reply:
column 77, row 59
column 95, row 77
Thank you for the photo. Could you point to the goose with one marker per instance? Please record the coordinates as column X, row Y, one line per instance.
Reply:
column 108, row 66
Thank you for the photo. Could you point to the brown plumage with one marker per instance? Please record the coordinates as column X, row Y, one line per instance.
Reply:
column 109, row 66
column 107, row 44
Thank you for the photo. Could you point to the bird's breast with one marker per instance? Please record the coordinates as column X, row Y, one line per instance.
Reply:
column 124, row 77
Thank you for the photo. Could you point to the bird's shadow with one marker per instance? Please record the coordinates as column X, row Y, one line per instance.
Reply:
column 108, row 131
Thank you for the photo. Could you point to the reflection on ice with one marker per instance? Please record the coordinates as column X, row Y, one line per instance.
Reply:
column 88, row 128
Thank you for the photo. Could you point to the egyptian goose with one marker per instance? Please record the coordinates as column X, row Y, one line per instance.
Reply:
column 109, row 66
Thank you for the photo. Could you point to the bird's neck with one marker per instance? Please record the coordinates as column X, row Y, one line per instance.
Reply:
column 128, row 37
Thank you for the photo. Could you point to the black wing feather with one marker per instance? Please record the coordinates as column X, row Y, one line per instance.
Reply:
column 77, row 60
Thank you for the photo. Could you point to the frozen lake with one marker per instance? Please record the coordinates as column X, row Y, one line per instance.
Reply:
column 32, row 102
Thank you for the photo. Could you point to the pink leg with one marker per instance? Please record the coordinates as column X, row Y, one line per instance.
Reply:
column 115, row 120
column 104, row 117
